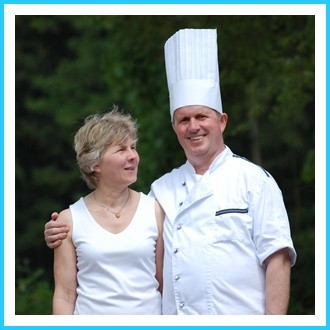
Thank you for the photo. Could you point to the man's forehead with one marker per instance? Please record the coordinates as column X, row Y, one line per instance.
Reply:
column 192, row 110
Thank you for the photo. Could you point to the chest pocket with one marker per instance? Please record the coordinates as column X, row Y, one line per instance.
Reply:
column 232, row 224
column 226, row 211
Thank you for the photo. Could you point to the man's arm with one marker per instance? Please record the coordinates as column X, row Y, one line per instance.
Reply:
column 278, row 272
column 55, row 231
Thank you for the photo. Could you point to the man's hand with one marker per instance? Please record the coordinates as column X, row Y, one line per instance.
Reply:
column 55, row 231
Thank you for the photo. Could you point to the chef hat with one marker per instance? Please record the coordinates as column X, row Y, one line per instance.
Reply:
column 192, row 70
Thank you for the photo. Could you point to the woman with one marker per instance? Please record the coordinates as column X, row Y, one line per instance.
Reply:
column 111, row 262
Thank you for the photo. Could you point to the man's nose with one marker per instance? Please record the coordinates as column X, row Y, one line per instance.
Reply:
column 193, row 125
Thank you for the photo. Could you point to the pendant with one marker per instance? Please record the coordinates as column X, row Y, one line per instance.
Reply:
column 117, row 215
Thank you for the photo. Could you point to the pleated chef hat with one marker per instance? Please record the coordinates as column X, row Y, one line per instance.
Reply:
column 192, row 70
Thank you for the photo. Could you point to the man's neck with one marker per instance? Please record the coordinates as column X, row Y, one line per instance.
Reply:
column 201, row 166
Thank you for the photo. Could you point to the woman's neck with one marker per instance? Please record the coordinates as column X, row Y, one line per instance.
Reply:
column 111, row 197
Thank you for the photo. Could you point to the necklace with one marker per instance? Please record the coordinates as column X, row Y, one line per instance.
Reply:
column 117, row 214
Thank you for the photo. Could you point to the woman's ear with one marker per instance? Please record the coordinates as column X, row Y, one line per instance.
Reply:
column 96, row 168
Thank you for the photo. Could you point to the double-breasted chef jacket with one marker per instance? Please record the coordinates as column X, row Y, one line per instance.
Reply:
column 218, row 230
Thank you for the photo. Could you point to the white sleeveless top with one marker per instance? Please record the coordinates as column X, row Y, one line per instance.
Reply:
column 116, row 272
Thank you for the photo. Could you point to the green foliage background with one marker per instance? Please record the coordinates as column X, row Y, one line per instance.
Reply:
column 68, row 67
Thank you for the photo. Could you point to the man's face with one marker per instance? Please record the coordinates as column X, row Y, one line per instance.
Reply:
column 199, row 130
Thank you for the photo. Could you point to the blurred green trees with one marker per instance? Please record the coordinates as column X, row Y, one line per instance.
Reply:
column 68, row 67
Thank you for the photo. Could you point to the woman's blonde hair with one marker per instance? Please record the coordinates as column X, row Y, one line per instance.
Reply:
column 96, row 135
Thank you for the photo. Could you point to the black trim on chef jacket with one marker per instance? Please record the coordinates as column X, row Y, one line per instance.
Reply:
column 220, row 212
column 236, row 156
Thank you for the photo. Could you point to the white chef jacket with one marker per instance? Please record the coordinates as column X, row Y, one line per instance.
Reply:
column 219, row 228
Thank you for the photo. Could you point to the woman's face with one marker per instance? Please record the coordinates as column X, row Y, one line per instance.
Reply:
column 119, row 164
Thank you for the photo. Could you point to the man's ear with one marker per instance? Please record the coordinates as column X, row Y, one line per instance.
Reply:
column 223, row 121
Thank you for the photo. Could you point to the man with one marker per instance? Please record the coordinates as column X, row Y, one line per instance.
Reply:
column 227, row 239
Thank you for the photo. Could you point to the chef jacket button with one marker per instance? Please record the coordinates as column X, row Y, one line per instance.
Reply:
column 183, row 184
column 181, row 305
column 178, row 227
column 180, row 204
column 177, row 277
column 176, row 250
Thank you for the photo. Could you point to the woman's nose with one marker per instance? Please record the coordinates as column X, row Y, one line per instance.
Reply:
column 132, row 153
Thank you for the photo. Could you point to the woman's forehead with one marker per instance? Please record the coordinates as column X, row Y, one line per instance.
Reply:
column 123, row 141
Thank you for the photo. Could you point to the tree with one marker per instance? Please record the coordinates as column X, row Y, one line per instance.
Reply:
column 68, row 67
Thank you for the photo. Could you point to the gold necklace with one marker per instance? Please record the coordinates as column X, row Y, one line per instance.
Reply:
column 117, row 214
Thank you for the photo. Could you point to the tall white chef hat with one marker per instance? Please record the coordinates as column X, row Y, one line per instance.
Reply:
column 192, row 70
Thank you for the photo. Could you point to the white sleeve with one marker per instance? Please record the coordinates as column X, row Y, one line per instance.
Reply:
column 271, row 228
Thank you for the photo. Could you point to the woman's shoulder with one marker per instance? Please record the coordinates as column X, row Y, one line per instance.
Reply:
column 65, row 216
column 151, row 201
column 146, row 198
